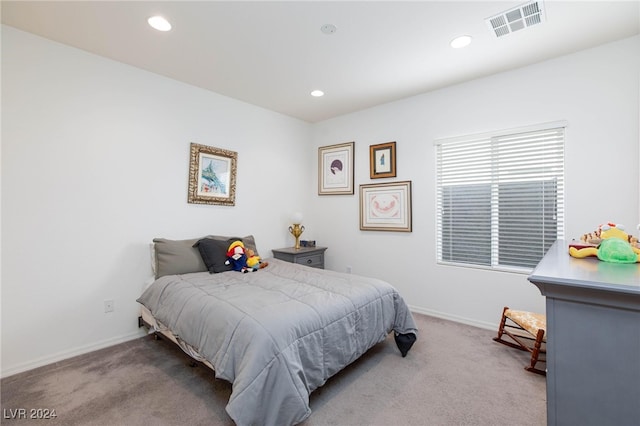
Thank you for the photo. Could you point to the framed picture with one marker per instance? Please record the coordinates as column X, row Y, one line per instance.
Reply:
column 212, row 175
column 335, row 169
column 386, row 207
column 382, row 160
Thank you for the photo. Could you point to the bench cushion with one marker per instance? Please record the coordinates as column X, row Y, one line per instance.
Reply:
column 530, row 321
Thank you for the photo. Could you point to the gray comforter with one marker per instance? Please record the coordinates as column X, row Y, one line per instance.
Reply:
column 278, row 333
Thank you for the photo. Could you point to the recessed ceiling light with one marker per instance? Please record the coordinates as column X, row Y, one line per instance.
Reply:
column 462, row 41
column 159, row 23
column 317, row 93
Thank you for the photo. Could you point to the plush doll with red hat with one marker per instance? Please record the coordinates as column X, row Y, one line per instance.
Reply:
column 237, row 257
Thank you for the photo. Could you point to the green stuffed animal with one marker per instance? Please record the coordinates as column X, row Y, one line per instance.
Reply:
column 614, row 247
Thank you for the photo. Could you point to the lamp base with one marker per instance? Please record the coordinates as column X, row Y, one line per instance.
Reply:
column 296, row 230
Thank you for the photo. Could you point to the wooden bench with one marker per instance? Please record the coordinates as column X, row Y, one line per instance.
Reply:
column 526, row 331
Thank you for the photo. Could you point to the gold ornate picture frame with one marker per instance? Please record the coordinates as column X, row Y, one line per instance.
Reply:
column 382, row 160
column 335, row 169
column 212, row 175
column 386, row 207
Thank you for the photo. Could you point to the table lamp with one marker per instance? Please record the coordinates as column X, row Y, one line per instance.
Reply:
column 296, row 229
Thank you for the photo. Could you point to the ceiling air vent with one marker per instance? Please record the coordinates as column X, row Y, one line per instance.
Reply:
column 515, row 19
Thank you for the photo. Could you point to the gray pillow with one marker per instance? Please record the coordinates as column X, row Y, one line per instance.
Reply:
column 249, row 241
column 214, row 254
column 174, row 257
column 177, row 257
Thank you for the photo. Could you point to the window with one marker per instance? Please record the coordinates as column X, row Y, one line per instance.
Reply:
column 500, row 197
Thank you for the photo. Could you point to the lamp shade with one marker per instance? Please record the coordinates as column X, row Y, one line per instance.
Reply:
column 296, row 217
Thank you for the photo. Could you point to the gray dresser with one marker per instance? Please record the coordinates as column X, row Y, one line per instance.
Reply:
column 593, row 339
column 309, row 256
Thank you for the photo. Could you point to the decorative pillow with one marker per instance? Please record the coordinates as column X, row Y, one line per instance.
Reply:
column 181, row 257
column 177, row 257
column 249, row 241
column 214, row 254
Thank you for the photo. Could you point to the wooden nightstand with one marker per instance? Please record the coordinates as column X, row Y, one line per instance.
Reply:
column 309, row 256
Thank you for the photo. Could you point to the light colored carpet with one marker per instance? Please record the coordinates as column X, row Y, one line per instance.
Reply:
column 454, row 375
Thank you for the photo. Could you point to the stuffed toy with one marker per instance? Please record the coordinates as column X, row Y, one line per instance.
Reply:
column 243, row 259
column 237, row 257
column 254, row 262
column 614, row 246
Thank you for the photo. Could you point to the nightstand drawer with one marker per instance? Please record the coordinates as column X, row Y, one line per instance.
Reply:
column 313, row 260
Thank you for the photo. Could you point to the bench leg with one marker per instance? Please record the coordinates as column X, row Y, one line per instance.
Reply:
column 502, row 331
column 503, row 320
column 535, row 353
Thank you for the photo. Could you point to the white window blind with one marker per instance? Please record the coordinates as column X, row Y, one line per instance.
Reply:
column 500, row 197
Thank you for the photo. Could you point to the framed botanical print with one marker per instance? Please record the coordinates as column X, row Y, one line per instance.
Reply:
column 382, row 160
column 335, row 169
column 386, row 207
column 212, row 175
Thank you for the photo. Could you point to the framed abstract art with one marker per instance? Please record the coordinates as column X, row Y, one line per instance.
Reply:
column 335, row 169
column 386, row 207
column 382, row 160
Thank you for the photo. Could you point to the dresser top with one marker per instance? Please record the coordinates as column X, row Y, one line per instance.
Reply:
column 558, row 267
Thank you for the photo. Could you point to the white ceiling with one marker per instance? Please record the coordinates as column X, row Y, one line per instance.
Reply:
column 273, row 54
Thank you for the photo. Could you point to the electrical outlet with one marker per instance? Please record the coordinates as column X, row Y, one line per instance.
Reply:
column 348, row 269
column 109, row 306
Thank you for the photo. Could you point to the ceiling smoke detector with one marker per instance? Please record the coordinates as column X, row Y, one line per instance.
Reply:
column 516, row 19
column 328, row 29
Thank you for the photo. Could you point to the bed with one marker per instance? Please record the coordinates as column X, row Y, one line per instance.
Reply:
column 276, row 334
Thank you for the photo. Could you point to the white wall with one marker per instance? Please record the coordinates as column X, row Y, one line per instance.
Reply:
column 595, row 91
column 94, row 166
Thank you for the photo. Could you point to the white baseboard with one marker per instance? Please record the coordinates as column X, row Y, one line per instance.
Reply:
column 60, row 356
column 456, row 318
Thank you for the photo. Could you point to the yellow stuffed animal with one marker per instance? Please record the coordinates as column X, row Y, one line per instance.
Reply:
column 254, row 262
column 615, row 246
